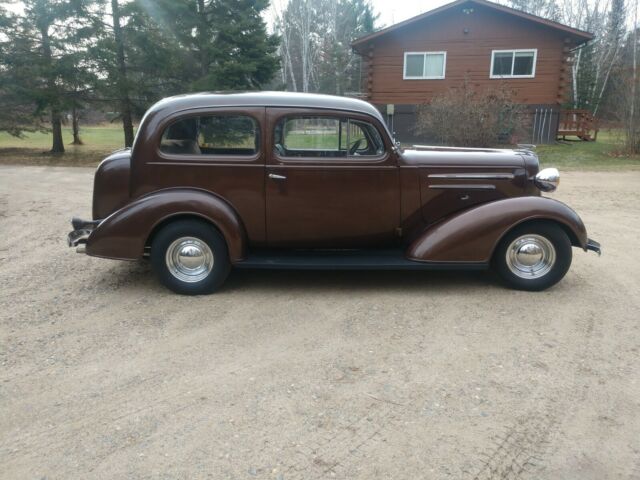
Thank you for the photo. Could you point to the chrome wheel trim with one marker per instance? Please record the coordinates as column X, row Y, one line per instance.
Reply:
column 531, row 256
column 189, row 259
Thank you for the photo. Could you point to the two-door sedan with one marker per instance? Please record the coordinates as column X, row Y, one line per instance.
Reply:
column 284, row 180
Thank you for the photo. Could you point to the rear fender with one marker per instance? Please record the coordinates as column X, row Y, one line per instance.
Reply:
column 123, row 234
column 472, row 235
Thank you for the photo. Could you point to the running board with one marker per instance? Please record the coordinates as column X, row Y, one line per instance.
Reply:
column 346, row 260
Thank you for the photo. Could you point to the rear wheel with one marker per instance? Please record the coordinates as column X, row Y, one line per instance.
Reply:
column 190, row 257
column 533, row 256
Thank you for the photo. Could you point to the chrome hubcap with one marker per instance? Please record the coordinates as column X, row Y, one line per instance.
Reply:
column 189, row 259
column 531, row 256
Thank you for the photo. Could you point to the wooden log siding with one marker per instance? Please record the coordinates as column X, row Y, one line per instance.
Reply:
column 565, row 72
column 469, row 56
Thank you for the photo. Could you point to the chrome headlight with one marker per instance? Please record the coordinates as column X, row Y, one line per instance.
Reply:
column 547, row 180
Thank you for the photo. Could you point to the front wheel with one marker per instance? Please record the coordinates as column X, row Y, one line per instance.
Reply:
column 533, row 257
column 190, row 257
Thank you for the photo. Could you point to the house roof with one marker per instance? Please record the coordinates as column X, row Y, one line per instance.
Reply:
column 579, row 35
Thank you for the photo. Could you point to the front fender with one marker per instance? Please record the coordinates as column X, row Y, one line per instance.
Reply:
column 123, row 234
column 472, row 235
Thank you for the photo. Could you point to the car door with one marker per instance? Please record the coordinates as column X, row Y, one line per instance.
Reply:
column 215, row 149
column 331, row 181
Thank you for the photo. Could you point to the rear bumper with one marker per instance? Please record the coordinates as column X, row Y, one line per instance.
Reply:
column 594, row 246
column 79, row 236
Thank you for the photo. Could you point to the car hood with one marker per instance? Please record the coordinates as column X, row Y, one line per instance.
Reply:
column 423, row 155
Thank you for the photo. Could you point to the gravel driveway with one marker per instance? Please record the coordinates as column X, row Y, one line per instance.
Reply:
column 311, row 375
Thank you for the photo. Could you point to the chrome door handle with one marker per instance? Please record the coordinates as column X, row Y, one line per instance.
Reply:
column 275, row 176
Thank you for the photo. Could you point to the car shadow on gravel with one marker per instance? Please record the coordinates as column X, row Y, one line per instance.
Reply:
column 356, row 281
column 139, row 277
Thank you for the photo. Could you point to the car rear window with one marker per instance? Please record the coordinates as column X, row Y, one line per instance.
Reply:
column 212, row 135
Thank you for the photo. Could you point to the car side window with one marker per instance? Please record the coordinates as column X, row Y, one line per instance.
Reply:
column 327, row 137
column 212, row 135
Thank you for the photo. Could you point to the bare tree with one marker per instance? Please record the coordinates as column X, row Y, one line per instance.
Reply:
column 593, row 62
column 608, row 53
column 286, row 44
column 315, row 46
column 298, row 26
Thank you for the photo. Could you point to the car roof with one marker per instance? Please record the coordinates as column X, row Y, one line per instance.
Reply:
column 265, row 99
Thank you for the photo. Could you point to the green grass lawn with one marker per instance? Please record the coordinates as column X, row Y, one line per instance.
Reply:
column 603, row 154
column 102, row 137
column 33, row 148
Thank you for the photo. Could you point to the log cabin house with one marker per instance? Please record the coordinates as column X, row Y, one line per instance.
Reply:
column 408, row 63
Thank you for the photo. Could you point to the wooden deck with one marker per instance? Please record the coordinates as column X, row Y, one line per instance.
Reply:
column 578, row 123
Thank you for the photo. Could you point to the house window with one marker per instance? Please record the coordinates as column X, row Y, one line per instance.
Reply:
column 424, row 65
column 513, row 63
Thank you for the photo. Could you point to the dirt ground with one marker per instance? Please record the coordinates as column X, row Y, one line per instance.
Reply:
column 312, row 375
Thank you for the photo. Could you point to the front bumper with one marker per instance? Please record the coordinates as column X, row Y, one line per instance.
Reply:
column 80, row 234
column 594, row 246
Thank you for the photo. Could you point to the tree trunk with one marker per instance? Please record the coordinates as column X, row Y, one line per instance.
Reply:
column 122, row 84
column 75, row 126
column 286, row 43
column 598, row 99
column 575, row 68
column 203, row 38
column 632, row 129
column 56, row 117
column 56, row 130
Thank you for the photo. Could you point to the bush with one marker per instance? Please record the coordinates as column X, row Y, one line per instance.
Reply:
column 467, row 118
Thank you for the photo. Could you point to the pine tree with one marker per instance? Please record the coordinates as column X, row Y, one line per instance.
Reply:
column 137, row 60
column 36, row 59
column 121, row 80
column 244, row 54
column 167, row 47
column 18, row 113
column 224, row 44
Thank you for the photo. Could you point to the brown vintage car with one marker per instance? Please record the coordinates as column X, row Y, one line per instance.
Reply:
column 300, row 181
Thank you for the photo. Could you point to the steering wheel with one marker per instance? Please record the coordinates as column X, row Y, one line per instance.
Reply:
column 280, row 149
column 356, row 145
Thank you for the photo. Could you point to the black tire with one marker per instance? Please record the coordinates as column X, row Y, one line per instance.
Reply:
column 213, row 273
column 555, row 236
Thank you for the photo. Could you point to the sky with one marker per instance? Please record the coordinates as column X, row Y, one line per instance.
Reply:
column 391, row 11
column 398, row 10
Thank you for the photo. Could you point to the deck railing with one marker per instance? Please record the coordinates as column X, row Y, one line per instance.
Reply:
column 579, row 123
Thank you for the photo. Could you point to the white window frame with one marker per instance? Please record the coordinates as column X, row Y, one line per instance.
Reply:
column 424, row 54
column 514, row 51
